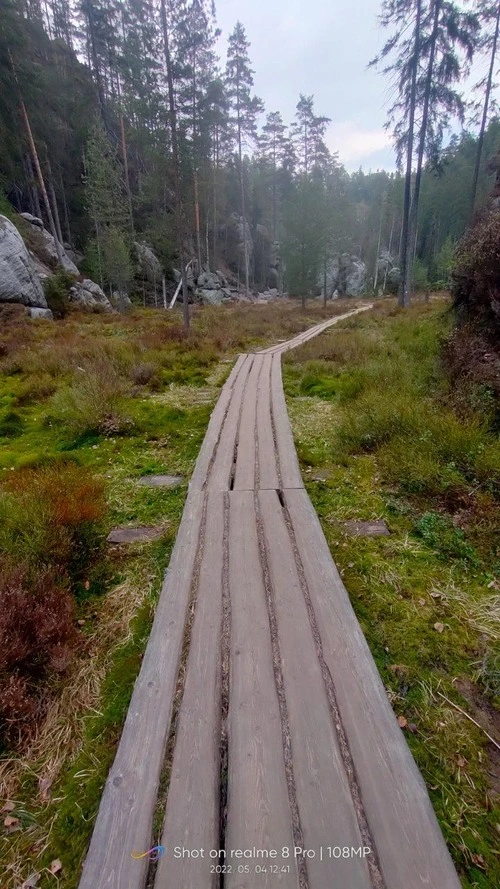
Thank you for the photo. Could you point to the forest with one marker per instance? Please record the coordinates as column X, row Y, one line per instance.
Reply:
column 144, row 136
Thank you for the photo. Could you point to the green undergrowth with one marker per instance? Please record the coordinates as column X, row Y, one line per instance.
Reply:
column 378, row 435
column 100, row 401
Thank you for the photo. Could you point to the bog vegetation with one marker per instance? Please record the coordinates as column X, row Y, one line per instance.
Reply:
column 383, row 432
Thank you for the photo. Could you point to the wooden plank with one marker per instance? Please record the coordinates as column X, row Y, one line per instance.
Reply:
column 210, row 442
column 311, row 332
column 221, row 469
column 244, row 479
column 125, row 818
column 268, row 471
column 326, row 807
column 192, row 812
column 407, row 836
column 258, row 809
column 289, row 464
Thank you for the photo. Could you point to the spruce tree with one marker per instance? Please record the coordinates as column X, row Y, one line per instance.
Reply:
column 243, row 112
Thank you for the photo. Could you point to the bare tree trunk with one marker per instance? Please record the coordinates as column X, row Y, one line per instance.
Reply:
column 404, row 299
column 375, row 277
column 197, row 220
column 480, row 141
column 421, row 145
column 324, row 281
column 389, row 251
column 176, row 163
column 67, row 226
column 54, row 203
column 41, row 182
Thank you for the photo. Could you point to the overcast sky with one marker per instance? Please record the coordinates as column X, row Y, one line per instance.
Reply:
column 320, row 47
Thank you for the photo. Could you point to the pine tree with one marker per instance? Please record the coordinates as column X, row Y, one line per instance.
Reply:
column 244, row 109
column 489, row 14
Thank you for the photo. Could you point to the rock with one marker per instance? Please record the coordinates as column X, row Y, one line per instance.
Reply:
column 121, row 302
column 88, row 295
column 352, row 275
column 135, row 535
column 75, row 257
column 214, row 297
column 161, row 481
column 33, row 219
column 49, row 245
column 19, row 282
column 149, row 263
column 41, row 269
column 393, row 280
column 209, row 281
column 367, row 529
column 222, row 279
column 35, row 312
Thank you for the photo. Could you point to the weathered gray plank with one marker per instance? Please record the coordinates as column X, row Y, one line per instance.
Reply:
column 311, row 332
column 289, row 464
column 220, row 472
column 125, row 817
column 409, row 842
column 192, row 812
column 327, row 813
column 244, row 479
column 268, row 472
column 258, row 809
column 210, row 442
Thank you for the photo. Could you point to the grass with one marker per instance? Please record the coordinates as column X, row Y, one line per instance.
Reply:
column 113, row 398
column 379, row 436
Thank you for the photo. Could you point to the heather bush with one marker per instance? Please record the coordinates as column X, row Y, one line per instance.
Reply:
column 50, row 517
column 37, row 636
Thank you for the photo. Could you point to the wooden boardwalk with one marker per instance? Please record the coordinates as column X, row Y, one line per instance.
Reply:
column 259, row 686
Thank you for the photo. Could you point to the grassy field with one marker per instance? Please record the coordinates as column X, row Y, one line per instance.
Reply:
column 88, row 405
column 382, row 434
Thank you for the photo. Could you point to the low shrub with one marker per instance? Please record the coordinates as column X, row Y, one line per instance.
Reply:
column 37, row 636
column 56, row 289
column 51, row 518
column 11, row 424
column 92, row 399
column 439, row 532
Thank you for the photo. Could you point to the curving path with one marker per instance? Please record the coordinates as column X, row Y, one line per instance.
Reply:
column 276, row 721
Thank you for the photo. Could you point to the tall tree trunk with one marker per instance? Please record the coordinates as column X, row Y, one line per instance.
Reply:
column 375, row 277
column 484, row 120
column 195, row 170
column 41, row 181
column 403, row 289
column 54, row 203
column 65, row 210
column 180, row 220
column 421, row 145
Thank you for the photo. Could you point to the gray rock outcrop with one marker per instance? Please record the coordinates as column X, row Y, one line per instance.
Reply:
column 88, row 295
column 214, row 297
column 35, row 312
column 50, row 246
column 149, row 263
column 19, row 282
column 352, row 275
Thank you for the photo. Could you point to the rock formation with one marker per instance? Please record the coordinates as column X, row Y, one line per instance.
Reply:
column 19, row 282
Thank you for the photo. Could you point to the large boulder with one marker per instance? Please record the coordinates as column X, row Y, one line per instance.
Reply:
column 35, row 312
column 88, row 295
column 34, row 220
column 214, row 297
column 49, row 246
column 19, row 282
column 149, row 263
column 352, row 275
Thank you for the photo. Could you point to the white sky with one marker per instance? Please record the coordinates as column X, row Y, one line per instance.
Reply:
column 321, row 47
